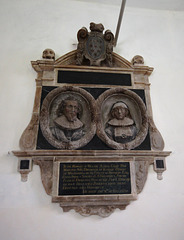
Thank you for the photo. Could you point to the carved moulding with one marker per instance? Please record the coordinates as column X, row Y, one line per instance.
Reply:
column 137, row 119
column 102, row 211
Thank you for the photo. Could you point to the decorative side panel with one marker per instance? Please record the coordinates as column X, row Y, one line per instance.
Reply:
column 46, row 168
column 141, row 174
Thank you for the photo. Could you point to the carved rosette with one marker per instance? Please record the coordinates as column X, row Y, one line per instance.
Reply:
column 137, row 110
column 95, row 46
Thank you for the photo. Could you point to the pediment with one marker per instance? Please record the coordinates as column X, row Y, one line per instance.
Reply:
column 136, row 66
column 70, row 59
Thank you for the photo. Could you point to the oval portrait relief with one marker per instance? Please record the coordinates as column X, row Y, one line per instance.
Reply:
column 122, row 122
column 68, row 117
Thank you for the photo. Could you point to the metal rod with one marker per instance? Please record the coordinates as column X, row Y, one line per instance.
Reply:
column 119, row 21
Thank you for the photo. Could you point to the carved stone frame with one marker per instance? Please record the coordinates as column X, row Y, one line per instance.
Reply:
column 45, row 113
column 138, row 104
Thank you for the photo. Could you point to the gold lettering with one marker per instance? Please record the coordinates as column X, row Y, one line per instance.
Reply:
column 96, row 178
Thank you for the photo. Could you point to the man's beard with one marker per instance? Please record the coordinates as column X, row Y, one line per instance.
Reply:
column 71, row 117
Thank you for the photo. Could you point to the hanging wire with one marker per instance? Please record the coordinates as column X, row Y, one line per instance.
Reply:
column 119, row 21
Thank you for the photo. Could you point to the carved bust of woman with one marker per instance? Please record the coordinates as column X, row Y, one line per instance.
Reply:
column 121, row 127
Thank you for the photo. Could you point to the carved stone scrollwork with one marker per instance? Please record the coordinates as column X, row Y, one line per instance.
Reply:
column 157, row 141
column 141, row 174
column 29, row 136
column 81, row 36
column 102, row 211
column 46, row 168
column 95, row 46
column 109, row 37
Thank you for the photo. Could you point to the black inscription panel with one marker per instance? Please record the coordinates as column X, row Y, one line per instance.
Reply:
column 75, row 77
column 94, row 178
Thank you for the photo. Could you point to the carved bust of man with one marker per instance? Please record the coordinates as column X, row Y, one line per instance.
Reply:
column 68, row 126
column 121, row 127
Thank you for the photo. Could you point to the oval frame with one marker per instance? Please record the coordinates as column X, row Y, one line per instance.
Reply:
column 52, row 100
column 137, row 108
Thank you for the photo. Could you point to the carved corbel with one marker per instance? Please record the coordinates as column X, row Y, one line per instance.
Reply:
column 24, row 168
column 159, row 167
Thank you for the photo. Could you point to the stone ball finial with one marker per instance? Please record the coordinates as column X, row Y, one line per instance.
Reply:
column 48, row 54
column 138, row 60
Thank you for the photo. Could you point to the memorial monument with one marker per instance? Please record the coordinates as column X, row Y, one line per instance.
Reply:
column 92, row 131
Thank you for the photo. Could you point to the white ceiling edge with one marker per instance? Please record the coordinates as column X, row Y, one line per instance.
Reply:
column 171, row 5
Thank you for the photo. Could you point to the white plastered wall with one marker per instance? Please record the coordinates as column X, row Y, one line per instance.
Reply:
column 27, row 28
